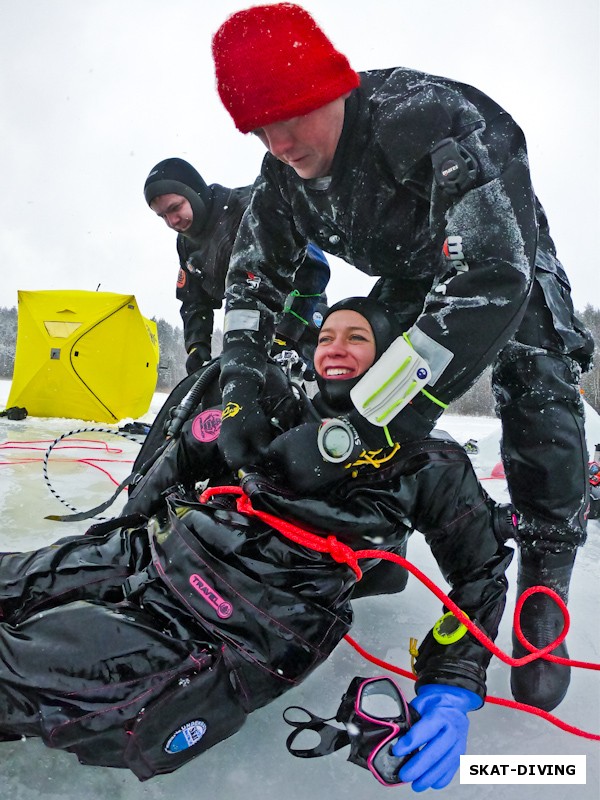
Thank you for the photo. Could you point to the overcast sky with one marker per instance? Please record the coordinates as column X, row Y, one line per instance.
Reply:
column 95, row 92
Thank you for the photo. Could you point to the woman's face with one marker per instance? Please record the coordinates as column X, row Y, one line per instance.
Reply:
column 346, row 346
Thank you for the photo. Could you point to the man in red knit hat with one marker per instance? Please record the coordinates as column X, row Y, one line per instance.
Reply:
column 424, row 182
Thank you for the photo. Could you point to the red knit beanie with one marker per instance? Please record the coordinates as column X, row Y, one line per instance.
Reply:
column 274, row 62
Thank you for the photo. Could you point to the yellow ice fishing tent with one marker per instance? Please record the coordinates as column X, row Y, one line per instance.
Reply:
column 86, row 355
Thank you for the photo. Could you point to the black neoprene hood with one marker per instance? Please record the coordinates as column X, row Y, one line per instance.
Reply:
column 176, row 176
column 386, row 329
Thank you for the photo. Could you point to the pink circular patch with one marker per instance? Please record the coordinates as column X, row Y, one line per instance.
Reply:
column 207, row 425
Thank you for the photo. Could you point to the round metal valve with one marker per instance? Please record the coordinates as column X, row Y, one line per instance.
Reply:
column 336, row 440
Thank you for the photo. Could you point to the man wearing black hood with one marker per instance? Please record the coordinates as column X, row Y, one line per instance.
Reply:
column 206, row 219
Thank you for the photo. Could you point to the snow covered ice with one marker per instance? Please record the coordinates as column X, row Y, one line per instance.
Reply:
column 254, row 764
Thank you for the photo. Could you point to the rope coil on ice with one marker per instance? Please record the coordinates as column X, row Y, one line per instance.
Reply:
column 63, row 436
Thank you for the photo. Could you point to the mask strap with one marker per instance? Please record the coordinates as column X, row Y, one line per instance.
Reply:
column 330, row 737
column 370, row 737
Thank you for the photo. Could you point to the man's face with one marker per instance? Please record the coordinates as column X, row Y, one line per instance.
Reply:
column 346, row 346
column 307, row 143
column 175, row 210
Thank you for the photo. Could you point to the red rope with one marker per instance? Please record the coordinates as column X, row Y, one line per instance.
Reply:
column 92, row 462
column 344, row 554
column 338, row 551
column 80, row 444
column 498, row 701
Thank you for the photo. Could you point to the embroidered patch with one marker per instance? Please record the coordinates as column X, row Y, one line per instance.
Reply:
column 252, row 280
column 207, row 425
column 223, row 607
column 181, row 278
column 186, row 736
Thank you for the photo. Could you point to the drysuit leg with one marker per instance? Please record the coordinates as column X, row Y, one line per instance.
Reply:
column 90, row 567
column 543, row 447
column 108, row 683
column 544, row 450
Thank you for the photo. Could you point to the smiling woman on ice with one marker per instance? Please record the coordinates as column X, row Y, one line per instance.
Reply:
column 152, row 637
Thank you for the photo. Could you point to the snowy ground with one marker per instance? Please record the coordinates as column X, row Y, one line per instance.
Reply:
column 254, row 764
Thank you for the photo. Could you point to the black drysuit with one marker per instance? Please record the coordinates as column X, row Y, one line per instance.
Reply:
column 141, row 647
column 430, row 190
column 204, row 260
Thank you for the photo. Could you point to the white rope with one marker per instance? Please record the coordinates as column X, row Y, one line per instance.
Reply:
column 59, row 439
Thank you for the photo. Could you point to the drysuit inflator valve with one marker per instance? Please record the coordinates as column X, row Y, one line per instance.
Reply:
column 336, row 440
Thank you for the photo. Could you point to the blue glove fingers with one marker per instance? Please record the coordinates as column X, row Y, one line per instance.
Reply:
column 421, row 733
column 442, row 741
column 428, row 781
column 446, row 778
column 441, row 733
column 431, row 774
column 434, row 752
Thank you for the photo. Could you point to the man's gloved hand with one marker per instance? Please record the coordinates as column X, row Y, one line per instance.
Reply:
column 441, row 733
column 198, row 355
column 245, row 431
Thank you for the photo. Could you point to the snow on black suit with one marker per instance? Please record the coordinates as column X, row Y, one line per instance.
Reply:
column 472, row 274
column 142, row 647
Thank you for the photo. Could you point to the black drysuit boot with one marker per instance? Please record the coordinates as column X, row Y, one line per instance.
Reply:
column 542, row 683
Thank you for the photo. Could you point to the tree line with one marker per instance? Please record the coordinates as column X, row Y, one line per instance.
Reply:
column 477, row 401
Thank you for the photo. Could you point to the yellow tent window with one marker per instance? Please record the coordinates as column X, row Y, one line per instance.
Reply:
column 61, row 330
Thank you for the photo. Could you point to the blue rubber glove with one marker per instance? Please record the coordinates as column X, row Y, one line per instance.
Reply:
column 441, row 733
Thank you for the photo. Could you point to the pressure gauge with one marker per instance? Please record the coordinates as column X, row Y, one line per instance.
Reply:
column 336, row 440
